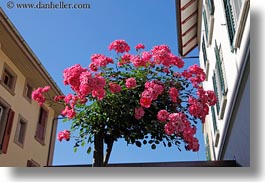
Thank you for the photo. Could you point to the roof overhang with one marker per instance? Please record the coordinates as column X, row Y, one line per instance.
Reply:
column 15, row 47
column 188, row 25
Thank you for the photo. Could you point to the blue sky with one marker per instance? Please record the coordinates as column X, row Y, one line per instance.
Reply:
column 62, row 38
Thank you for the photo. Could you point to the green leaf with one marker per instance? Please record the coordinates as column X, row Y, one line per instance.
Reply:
column 89, row 150
column 83, row 143
column 153, row 146
column 138, row 144
column 75, row 149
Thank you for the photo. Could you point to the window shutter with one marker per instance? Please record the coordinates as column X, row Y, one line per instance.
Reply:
column 43, row 124
column 8, row 129
column 216, row 93
column 230, row 20
column 210, row 4
column 205, row 24
column 214, row 119
column 204, row 52
column 40, row 131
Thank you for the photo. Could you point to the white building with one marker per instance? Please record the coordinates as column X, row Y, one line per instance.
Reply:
column 221, row 31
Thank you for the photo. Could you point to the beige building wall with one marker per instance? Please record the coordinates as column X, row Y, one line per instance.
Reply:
column 16, row 55
column 31, row 150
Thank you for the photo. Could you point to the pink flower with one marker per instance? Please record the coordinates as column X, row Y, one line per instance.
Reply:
column 193, row 145
column 161, row 54
column 173, row 93
column 138, row 113
column 64, row 135
column 99, row 93
column 120, row 46
column 93, row 67
column 71, row 76
column 138, row 61
column 100, row 60
column 114, row 88
column 169, row 129
column 177, row 61
column 130, row 83
column 166, row 70
column 38, row 96
column 99, row 82
column 162, row 115
column 146, row 56
column 147, row 94
column 212, row 99
column 58, row 98
column 139, row 46
column 145, row 102
column 69, row 112
column 125, row 58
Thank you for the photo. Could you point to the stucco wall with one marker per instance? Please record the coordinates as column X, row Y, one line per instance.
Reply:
column 32, row 149
column 238, row 145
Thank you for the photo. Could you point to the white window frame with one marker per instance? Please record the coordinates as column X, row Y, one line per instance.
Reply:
column 223, row 97
column 210, row 20
column 240, row 22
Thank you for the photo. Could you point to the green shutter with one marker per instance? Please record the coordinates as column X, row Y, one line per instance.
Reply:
column 214, row 119
column 210, row 4
column 220, row 69
column 230, row 20
column 205, row 24
column 204, row 51
column 216, row 93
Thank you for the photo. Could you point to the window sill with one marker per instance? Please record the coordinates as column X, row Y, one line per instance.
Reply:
column 216, row 138
column 19, row 144
column 241, row 24
column 222, row 107
column 40, row 141
column 207, row 66
column 11, row 91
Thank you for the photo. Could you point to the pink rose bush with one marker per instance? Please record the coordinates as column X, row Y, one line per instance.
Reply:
column 145, row 98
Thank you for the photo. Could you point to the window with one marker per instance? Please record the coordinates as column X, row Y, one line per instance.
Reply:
column 229, row 20
column 6, row 122
column 241, row 11
column 8, row 79
column 205, row 23
column 210, row 6
column 236, row 7
column 220, row 82
column 28, row 91
column 32, row 163
column 216, row 131
column 236, row 12
column 20, row 132
column 208, row 16
column 3, row 114
column 41, row 126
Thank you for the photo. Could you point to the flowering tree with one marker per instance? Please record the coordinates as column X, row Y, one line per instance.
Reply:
column 140, row 97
